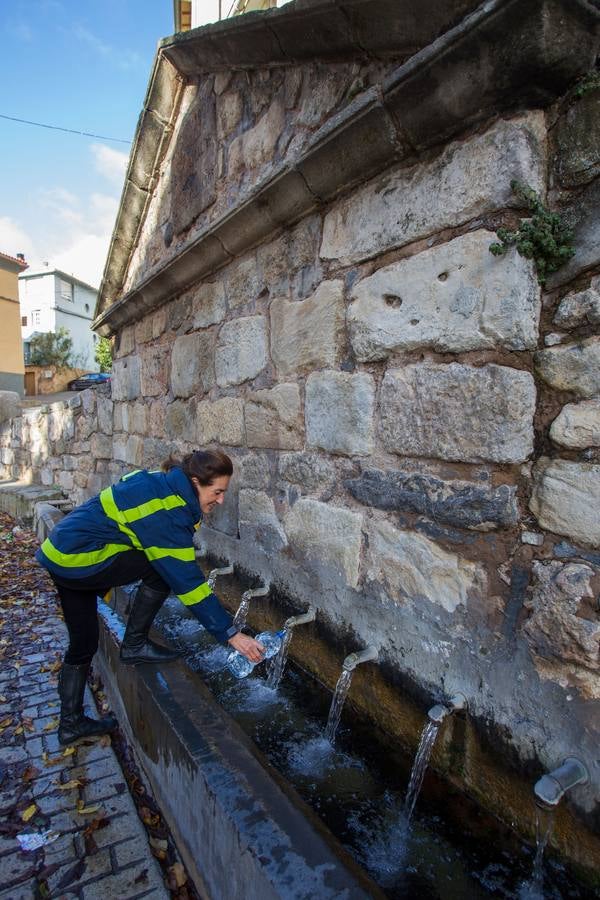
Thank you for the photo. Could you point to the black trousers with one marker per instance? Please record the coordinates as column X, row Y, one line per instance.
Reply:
column 78, row 598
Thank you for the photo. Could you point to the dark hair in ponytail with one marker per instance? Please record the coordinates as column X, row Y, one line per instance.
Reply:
column 205, row 465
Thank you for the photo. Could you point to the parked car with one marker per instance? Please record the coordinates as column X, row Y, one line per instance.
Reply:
column 92, row 379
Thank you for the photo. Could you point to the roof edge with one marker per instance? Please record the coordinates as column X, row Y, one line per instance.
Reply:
column 552, row 41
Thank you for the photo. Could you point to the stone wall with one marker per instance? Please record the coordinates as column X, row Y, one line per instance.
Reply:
column 415, row 425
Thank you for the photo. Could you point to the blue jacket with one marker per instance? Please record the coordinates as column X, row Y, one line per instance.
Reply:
column 155, row 512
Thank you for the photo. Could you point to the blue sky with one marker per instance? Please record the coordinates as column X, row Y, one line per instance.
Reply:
column 80, row 65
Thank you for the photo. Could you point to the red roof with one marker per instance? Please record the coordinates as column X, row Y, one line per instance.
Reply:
column 13, row 259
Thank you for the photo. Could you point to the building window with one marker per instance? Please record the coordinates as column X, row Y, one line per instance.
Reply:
column 36, row 317
column 26, row 352
column 23, row 320
column 67, row 290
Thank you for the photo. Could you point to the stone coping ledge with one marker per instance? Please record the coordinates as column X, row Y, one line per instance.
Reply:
column 506, row 56
column 19, row 498
column 232, row 816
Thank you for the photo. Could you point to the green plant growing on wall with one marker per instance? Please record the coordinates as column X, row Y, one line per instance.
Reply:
column 103, row 354
column 591, row 82
column 52, row 348
column 545, row 237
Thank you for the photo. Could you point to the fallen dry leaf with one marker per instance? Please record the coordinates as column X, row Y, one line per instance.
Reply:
column 177, row 875
column 29, row 812
column 148, row 817
column 86, row 810
column 57, row 761
column 69, row 785
column 69, row 751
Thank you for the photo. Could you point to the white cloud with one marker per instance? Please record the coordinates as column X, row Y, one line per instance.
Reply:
column 73, row 233
column 110, row 163
column 13, row 239
column 85, row 258
column 121, row 58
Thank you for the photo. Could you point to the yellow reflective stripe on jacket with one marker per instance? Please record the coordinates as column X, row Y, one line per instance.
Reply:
column 195, row 596
column 81, row 560
column 151, row 506
column 113, row 512
column 185, row 554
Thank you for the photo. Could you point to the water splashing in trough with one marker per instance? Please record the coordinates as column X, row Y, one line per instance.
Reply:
column 279, row 661
column 428, row 736
column 533, row 889
column 341, row 690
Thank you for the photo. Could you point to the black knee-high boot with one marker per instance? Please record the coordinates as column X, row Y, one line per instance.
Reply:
column 137, row 646
column 74, row 724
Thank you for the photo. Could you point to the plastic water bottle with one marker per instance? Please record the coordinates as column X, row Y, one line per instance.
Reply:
column 240, row 665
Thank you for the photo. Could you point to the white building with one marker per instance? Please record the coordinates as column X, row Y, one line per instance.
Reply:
column 51, row 299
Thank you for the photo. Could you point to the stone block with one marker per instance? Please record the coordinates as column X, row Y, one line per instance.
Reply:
column 154, row 369
column 257, row 145
column 577, row 425
column 578, row 141
column 452, row 298
column 125, row 379
column 259, row 523
column 193, row 166
column 105, row 414
column 323, row 89
column 101, row 446
column 303, row 242
column 308, row 335
column 229, row 112
column 566, row 497
column 273, row 266
column 562, row 630
column 580, row 308
column 253, row 471
column 572, row 367
column 241, row 351
column 274, row 418
column 458, row 412
column 207, row 304
column 326, row 536
column 462, row 504
column 407, row 566
column 138, row 417
column 180, row 421
column 468, row 179
column 582, row 216
column 193, row 364
column 243, row 282
column 339, row 412
column 221, row 422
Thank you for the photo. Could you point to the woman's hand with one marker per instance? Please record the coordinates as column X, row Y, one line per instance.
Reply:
column 247, row 646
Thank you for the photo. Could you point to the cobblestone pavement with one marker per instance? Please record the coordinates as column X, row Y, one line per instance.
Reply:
column 99, row 847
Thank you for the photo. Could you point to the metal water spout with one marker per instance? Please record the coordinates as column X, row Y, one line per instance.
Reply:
column 552, row 787
column 438, row 713
column 214, row 574
column 355, row 659
column 302, row 619
column 278, row 663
